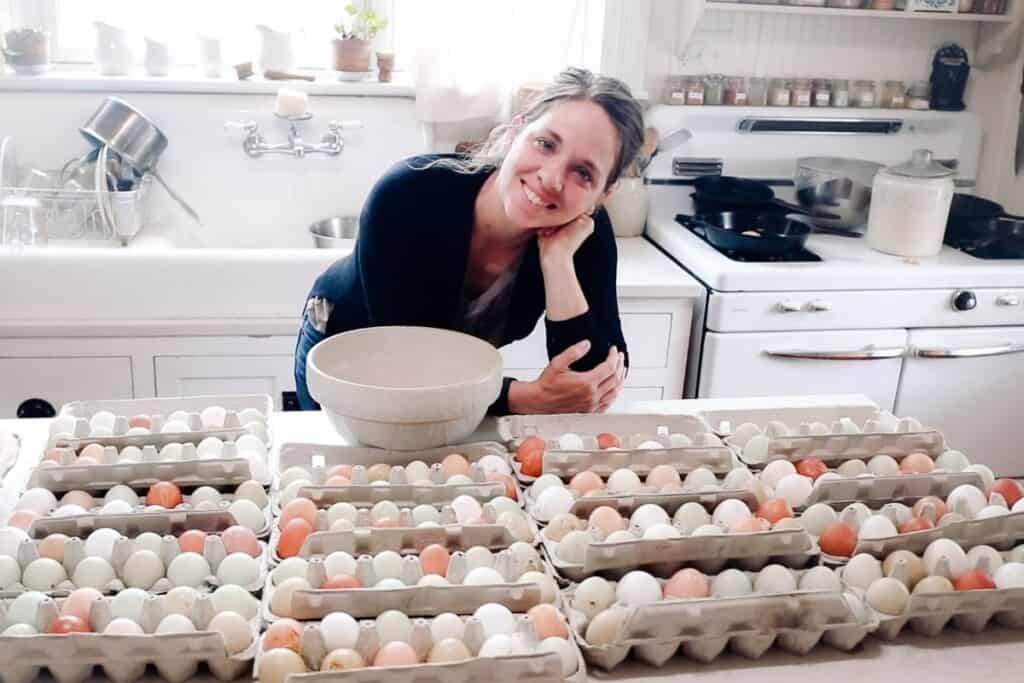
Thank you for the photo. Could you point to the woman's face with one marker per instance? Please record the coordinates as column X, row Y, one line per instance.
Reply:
column 558, row 165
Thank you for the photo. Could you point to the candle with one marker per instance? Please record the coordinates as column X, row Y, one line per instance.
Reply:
column 291, row 102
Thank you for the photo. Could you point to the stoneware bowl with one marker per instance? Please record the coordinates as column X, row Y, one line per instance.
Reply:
column 404, row 387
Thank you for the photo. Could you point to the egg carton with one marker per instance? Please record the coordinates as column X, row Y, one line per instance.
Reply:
column 533, row 666
column 74, row 554
column 513, row 428
column 229, row 470
column 627, row 503
column 412, row 599
column 71, row 658
column 362, row 493
column 840, row 441
column 1000, row 532
column 158, row 409
column 10, row 446
column 901, row 488
column 791, row 547
column 702, row 628
column 403, row 540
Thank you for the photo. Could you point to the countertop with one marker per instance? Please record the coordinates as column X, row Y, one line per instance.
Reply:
column 954, row 656
column 168, row 292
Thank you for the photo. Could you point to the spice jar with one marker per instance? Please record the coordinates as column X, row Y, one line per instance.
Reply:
column 695, row 91
column 864, row 94
column 779, row 93
column 736, row 91
column 919, row 95
column 714, row 89
column 821, row 95
column 800, row 94
column 757, row 92
column 840, row 93
column 894, row 95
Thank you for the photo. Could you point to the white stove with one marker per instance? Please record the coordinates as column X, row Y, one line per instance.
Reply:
column 941, row 339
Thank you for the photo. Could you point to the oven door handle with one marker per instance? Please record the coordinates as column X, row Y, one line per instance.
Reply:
column 867, row 353
column 969, row 352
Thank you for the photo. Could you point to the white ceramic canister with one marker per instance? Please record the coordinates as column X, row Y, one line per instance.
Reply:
column 627, row 207
column 157, row 59
column 909, row 207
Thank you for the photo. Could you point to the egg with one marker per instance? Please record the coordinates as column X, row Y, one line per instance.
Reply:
column 20, row 630
column 1009, row 575
column 454, row 463
column 820, row 578
column 988, row 479
column 466, row 509
column 175, row 623
column 236, row 599
column 552, row 502
column 498, row 646
column 434, row 559
column 123, row 627
column 292, row 537
column 277, row 665
column 730, row 511
column 646, row 516
column 888, row 596
column 592, row 596
column 883, row 466
column 342, row 659
column 606, row 627
column 954, row 461
column 933, row 584
column 774, row 471
column 708, row 530
column 548, row 622
column 775, row 579
column 967, row 500
column 102, row 419
column 93, row 572
column 570, row 442
column 774, row 510
column 852, row 468
column 795, row 489
column 483, row 576
column 606, row 519
column 638, row 588
column 234, row 629
column 876, row 526
column 699, row 479
column 188, row 569
column 447, row 625
column 689, row 516
column 387, row 565
column 687, row 584
column 496, row 619
column 621, row 536
column 343, row 582
column 573, row 547
column 548, row 588
column 339, row 630
column 517, row 525
column 905, row 566
column 43, row 574
column 607, row 440
column 281, row 598
column 584, row 482
column 287, row 633
column 448, row 650
column 128, row 604
column 240, row 569
column 623, row 481
column 838, row 539
column 38, row 500
column 175, row 427
column 180, row 600
column 23, row 609
column 142, row 569
column 953, row 554
column 395, row 654
column 731, row 583
column 78, row 603
column 10, row 572
column 68, row 624
column 566, row 654
column 659, row 532
column 916, row 463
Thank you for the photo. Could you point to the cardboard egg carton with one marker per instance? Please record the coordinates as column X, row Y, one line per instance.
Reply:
column 317, row 459
column 841, row 440
column 512, row 428
column 702, row 628
column 190, row 470
column 10, row 446
column 901, row 488
column 174, row 522
column 533, row 666
column 791, row 547
column 403, row 540
column 627, row 503
column 74, row 553
column 71, row 658
column 412, row 599
column 256, row 406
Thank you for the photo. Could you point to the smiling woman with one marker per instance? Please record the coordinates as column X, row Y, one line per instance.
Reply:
column 485, row 244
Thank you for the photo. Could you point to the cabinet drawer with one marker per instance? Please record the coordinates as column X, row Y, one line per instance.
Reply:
column 647, row 337
column 201, row 375
column 59, row 380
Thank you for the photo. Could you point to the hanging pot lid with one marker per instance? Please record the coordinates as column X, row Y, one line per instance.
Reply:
column 922, row 165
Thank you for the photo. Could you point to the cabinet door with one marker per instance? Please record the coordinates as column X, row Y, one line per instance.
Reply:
column 742, row 364
column 967, row 383
column 199, row 375
column 61, row 380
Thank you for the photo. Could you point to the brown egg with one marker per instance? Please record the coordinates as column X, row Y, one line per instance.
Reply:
column 298, row 508
column 916, row 463
column 453, row 464
column 143, row 421
column 286, row 633
column 53, row 547
column 395, row 653
column 292, row 537
column 340, row 471
column 165, row 494
column 585, row 482
column 607, row 440
column 239, row 539
column 94, row 451
column 381, row 472
column 448, row 650
column 434, row 559
column 749, row 525
column 54, row 454
column 338, row 480
column 79, row 602
column 386, row 523
column 838, row 539
column 22, row 519
column 341, row 582
column 548, row 622
column 937, row 505
column 508, row 481
column 662, row 476
column 80, row 498
column 531, row 444
column 342, row 659
column 687, row 583
column 192, row 541
column 607, row 519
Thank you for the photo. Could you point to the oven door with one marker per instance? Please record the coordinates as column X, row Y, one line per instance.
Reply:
column 967, row 383
column 741, row 364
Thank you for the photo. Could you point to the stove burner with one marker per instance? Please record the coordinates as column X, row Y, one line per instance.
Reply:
column 799, row 256
column 996, row 250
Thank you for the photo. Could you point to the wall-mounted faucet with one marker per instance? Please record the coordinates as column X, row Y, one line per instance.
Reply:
column 255, row 145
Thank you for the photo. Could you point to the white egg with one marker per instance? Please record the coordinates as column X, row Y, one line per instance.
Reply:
column 339, row 630
column 236, row 599
column 212, row 417
column 457, row 480
column 1009, row 575
column 38, row 500
column 93, row 572
column 554, row 501
column 297, row 566
column 23, row 609
column 291, row 492
column 171, row 451
column 795, row 489
column 131, row 454
column 10, row 572
column 259, row 470
column 852, row 468
column 638, row 588
column 250, row 415
column 10, row 538
column 498, row 646
column 990, row 511
column 689, row 516
column 123, row 627
column 143, row 569
column 103, row 419
column 479, row 556
column 547, row 585
column 650, row 445
column 235, row 630
column 385, row 509
column 44, row 574
column 254, row 491
column 623, row 481
column 729, row 512
column 985, row 558
column 677, row 440
column 127, row 604
column 774, row 471
column 338, row 562
column 387, row 565
column 566, row 654
column 821, row 579
column 888, row 596
column 953, row 553
column 775, row 579
column 175, row 623
column 708, row 530
column 447, row 625
column 494, row 464
column 737, row 478
column 251, row 446
column 466, row 509
column 817, row 517
column 496, row 619
column 100, row 543
column 854, row 514
column 876, row 526
column 346, row 511
column 248, row 514
column 122, row 492
column 573, row 547
column 731, row 583
column 988, row 478
column 175, row 427
column 699, row 478
column 432, row 580
column 240, row 569
column 188, row 569
column 967, row 500
column 117, row 507
column 620, row 536
column 210, row 448
column 544, row 482
column 293, row 474
column 570, row 442
column 180, row 600
column 861, row 571
column 951, row 460
column 594, row 595
column 658, row 532
column 389, row 584
column 883, row 466
column 393, row 625
column 483, row 576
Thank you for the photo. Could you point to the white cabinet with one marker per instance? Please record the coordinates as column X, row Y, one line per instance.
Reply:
column 58, row 380
column 199, row 375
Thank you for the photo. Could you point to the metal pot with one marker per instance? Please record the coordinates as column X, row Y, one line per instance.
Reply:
column 135, row 138
column 833, row 186
column 338, row 232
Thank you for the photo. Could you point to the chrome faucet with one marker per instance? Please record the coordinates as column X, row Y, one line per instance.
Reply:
column 332, row 143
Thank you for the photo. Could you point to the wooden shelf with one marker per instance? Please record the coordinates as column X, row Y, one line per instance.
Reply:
column 858, row 13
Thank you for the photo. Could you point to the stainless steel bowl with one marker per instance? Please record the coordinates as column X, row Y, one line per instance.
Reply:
column 338, row 232
column 836, row 186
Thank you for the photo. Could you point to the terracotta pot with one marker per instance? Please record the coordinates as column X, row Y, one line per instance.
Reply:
column 351, row 54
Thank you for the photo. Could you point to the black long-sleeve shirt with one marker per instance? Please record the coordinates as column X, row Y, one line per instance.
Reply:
column 410, row 261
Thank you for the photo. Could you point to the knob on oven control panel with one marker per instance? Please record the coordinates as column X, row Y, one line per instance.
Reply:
column 964, row 300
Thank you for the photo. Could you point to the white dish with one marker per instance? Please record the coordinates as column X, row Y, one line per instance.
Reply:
column 8, row 163
column 353, row 75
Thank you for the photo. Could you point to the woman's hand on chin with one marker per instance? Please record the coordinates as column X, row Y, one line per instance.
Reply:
column 558, row 244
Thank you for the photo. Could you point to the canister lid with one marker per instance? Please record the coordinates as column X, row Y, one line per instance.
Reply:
column 922, row 165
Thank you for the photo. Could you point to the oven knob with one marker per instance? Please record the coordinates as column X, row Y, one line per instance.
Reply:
column 964, row 300
column 788, row 307
column 819, row 306
column 1007, row 300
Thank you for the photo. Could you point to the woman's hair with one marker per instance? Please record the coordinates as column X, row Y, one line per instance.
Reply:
column 611, row 94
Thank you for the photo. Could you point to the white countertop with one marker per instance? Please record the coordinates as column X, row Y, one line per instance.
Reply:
column 953, row 657
column 113, row 292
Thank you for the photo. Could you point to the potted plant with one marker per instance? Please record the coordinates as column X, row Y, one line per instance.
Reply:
column 355, row 31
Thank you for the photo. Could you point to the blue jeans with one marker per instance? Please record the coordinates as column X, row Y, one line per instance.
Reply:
column 309, row 337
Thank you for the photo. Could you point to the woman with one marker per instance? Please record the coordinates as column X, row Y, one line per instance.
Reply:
column 486, row 244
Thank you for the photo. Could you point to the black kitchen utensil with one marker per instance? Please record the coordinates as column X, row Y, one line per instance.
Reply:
column 950, row 70
column 750, row 233
column 715, row 194
column 974, row 221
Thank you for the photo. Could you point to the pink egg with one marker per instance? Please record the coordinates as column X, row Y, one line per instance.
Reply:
column 192, row 541
column 917, row 463
column 547, row 622
column 434, row 559
column 662, row 475
column 239, row 539
column 141, row 421
column 284, row 633
column 378, row 472
column 340, row 470
column 338, row 480
column 454, row 464
column 94, row 451
column 687, row 583
column 607, row 519
column 54, row 454
column 79, row 602
column 750, row 524
column 23, row 519
column 386, row 523
column 585, row 482
column 299, row 508
column 396, row 653
column 83, row 460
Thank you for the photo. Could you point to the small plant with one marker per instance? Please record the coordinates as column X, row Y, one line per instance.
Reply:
column 361, row 24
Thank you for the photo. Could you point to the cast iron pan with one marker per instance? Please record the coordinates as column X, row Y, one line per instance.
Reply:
column 715, row 194
column 975, row 222
column 751, row 233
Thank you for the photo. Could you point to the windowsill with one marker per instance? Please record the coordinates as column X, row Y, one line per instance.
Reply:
column 190, row 81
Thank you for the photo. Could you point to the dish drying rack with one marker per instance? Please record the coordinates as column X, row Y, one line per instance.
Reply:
column 85, row 215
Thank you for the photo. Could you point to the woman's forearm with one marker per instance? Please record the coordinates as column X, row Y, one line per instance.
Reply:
column 563, row 295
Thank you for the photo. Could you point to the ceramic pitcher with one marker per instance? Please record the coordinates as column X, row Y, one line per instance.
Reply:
column 157, row 59
column 113, row 54
column 276, row 51
column 209, row 56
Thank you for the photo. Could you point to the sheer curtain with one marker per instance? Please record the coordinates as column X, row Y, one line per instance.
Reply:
column 472, row 55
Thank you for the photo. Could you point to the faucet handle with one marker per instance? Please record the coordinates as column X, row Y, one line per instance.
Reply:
column 235, row 128
column 338, row 126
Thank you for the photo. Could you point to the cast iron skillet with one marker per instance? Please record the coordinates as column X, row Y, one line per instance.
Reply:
column 751, row 233
column 715, row 194
column 975, row 222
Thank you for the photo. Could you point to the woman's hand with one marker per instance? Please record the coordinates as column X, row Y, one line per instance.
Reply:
column 561, row 390
column 557, row 245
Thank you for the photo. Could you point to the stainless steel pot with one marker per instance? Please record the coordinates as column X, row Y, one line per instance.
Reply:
column 338, row 232
column 835, row 186
column 135, row 138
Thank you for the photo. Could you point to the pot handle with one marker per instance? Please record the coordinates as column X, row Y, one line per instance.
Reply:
column 181, row 202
